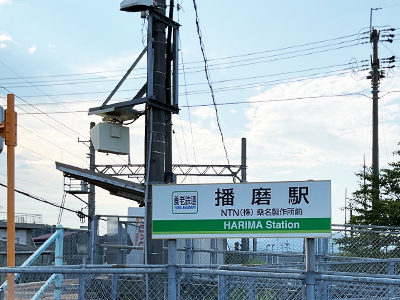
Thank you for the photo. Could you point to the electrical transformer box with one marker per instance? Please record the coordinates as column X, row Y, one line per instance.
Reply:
column 110, row 138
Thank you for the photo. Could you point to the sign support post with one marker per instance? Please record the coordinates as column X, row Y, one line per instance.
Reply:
column 310, row 268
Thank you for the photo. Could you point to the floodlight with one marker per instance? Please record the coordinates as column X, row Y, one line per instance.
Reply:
column 136, row 5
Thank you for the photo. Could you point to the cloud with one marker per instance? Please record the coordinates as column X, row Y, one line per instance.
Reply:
column 321, row 137
column 5, row 2
column 204, row 112
column 310, row 131
column 120, row 61
column 5, row 37
column 32, row 50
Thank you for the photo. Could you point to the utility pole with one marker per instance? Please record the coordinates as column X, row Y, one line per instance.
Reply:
column 375, row 78
column 155, row 127
column 8, row 131
column 245, row 242
column 91, row 198
column 375, row 75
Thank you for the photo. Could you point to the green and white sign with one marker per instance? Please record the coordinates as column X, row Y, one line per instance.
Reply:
column 268, row 209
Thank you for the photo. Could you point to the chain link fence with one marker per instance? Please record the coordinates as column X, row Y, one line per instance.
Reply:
column 358, row 262
column 156, row 283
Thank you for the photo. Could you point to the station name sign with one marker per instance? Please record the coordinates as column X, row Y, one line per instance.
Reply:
column 245, row 210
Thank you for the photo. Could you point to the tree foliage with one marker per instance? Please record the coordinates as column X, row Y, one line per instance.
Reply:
column 372, row 206
column 375, row 203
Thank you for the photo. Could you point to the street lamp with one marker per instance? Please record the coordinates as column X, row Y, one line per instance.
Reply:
column 136, row 5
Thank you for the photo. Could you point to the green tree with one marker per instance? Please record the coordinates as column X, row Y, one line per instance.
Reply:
column 372, row 206
column 376, row 202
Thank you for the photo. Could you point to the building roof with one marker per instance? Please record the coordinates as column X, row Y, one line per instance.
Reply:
column 44, row 237
column 3, row 224
column 18, row 248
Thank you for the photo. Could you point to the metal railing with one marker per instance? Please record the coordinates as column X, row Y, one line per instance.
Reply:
column 23, row 218
column 358, row 262
column 173, row 282
column 57, row 237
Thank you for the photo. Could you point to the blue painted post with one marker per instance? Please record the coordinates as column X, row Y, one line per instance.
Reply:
column 34, row 256
column 391, row 271
column 95, row 241
column 59, row 261
column 81, row 295
column 114, row 286
column 222, row 287
column 250, row 291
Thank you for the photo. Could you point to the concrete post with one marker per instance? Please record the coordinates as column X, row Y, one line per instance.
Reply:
column 172, row 268
column 310, row 268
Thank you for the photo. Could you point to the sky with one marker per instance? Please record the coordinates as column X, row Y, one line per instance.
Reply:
column 289, row 76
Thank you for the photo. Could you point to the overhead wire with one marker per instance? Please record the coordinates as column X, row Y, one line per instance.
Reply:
column 188, row 110
column 43, row 94
column 207, row 73
column 50, row 142
column 41, row 120
column 211, row 66
column 43, row 200
column 281, row 100
column 61, row 208
column 35, row 183
column 230, row 88
column 277, row 100
column 35, row 152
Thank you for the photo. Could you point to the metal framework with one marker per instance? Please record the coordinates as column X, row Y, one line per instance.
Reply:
column 137, row 171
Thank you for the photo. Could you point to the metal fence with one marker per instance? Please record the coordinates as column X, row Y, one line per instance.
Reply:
column 158, row 282
column 358, row 262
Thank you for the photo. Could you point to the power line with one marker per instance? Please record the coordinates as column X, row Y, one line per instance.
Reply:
column 85, row 80
column 63, row 149
column 35, row 183
column 29, row 104
column 45, row 201
column 188, row 110
column 36, row 153
column 209, row 78
column 43, row 94
column 273, row 100
column 220, row 81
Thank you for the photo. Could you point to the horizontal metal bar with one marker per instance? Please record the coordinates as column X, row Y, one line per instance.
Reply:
column 111, row 107
column 114, row 246
column 362, row 261
column 382, row 276
column 367, row 226
column 178, row 169
column 355, row 279
column 62, row 270
column 167, row 21
column 243, row 273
